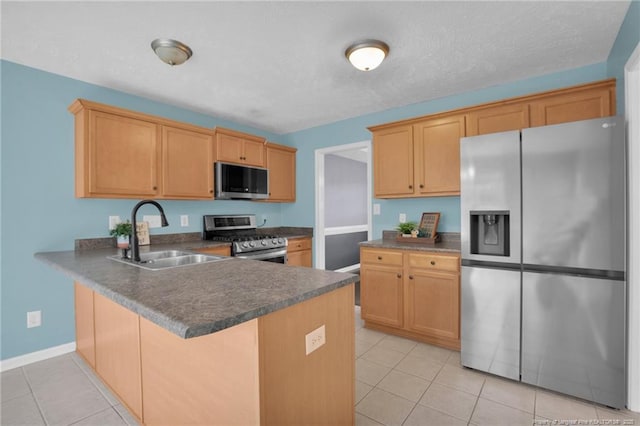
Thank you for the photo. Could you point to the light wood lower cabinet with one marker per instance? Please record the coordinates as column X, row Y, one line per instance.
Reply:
column 255, row 373
column 117, row 335
column 299, row 252
column 85, row 334
column 413, row 294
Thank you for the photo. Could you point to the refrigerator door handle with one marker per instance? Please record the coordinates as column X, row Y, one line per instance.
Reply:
column 576, row 272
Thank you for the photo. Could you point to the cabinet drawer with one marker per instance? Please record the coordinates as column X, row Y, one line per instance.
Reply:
column 297, row 244
column 434, row 261
column 382, row 257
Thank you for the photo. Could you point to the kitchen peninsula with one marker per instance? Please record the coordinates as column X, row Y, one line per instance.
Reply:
column 224, row 342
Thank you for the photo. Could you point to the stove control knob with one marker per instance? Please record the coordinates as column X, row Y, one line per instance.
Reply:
column 275, row 241
column 245, row 245
column 263, row 242
column 280, row 240
column 252, row 244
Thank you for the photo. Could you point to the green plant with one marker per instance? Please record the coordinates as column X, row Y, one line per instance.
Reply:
column 123, row 228
column 407, row 227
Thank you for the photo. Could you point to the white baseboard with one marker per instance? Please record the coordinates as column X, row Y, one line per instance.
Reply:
column 22, row 360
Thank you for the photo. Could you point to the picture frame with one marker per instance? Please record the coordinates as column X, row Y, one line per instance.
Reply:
column 429, row 224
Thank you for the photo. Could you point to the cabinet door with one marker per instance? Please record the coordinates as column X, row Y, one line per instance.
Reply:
column 299, row 252
column 437, row 155
column 433, row 300
column 118, row 351
column 498, row 119
column 253, row 153
column 85, row 337
column 281, row 163
column 187, row 165
column 229, row 148
column 576, row 106
column 381, row 297
column 123, row 154
column 393, row 162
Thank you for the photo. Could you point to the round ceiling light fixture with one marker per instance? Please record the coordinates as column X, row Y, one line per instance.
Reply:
column 367, row 55
column 170, row 51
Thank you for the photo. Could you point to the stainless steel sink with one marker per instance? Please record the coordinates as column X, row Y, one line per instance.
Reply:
column 157, row 260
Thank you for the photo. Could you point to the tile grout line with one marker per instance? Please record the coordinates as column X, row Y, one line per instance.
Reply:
column 33, row 395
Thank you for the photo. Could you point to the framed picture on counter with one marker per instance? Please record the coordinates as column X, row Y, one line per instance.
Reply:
column 429, row 224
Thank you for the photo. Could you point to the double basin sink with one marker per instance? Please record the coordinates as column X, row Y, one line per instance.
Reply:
column 157, row 260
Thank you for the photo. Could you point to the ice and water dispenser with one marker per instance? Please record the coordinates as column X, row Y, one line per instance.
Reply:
column 490, row 232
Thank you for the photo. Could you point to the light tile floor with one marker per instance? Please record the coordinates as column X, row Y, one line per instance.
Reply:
column 398, row 382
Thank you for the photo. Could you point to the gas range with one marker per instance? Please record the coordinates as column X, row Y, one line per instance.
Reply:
column 246, row 242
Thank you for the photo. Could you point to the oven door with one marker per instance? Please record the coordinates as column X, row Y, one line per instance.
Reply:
column 278, row 255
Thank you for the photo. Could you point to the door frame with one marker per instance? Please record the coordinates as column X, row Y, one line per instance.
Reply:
column 632, row 112
column 320, row 187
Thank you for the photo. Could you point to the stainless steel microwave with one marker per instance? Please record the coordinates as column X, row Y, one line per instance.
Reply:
column 235, row 181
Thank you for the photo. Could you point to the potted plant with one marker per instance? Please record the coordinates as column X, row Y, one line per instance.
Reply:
column 122, row 232
column 407, row 228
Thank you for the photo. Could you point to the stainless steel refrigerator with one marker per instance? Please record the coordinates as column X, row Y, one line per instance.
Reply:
column 543, row 257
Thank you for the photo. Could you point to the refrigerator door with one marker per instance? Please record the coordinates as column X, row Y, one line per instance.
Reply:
column 491, row 321
column 573, row 195
column 573, row 336
column 490, row 181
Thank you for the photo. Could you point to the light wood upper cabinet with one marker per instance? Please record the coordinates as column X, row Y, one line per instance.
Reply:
column 240, row 148
column 117, row 332
column 187, row 164
column 119, row 157
column 281, row 162
column 125, row 154
column 574, row 106
column 437, row 155
column 393, row 162
column 498, row 119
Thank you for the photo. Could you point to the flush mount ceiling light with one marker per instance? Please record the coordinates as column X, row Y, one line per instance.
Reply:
column 171, row 51
column 367, row 55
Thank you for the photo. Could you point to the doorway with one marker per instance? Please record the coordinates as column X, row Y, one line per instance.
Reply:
column 343, row 206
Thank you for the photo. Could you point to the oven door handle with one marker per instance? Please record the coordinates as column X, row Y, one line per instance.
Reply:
column 263, row 255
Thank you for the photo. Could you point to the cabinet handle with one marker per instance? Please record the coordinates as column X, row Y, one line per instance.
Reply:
column 410, row 277
column 211, row 191
column 421, row 186
column 155, row 187
column 433, row 262
column 410, row 186
column 399, row 276
column 379, row 257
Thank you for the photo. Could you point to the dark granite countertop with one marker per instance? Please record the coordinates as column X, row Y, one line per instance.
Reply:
column 450, row 243
column 198, row 299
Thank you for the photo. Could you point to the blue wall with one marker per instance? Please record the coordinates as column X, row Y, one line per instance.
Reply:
column 627, row 40
column 40, row 212
column 302, row 213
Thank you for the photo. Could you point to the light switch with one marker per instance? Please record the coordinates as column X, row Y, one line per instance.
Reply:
column 153, row 220
column 376, row 209
column 403, row 217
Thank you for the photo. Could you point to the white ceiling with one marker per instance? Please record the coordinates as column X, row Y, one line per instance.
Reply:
column 280, row 66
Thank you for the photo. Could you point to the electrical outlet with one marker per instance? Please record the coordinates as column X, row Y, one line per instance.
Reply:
column 403, row 217
column 315, row 339
column 113, row 221
column 34, row 319
column 376, row 209
column 184, row 220
column 153, row 219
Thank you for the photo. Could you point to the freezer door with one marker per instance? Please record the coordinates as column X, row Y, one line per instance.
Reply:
column 573, row 336
column 490, row 181
column 573, row 195
column 491, row 321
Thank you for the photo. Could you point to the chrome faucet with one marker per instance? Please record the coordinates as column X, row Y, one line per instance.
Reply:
column 135, row 246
